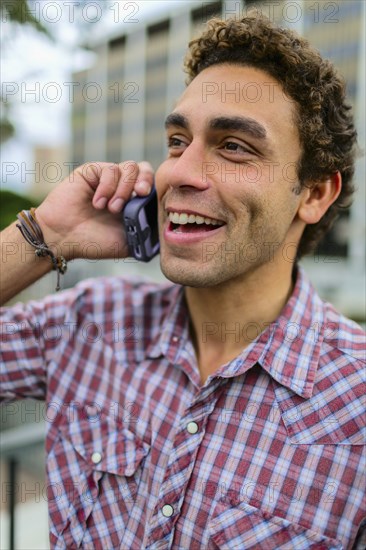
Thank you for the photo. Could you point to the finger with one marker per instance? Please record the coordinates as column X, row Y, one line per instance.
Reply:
column 123, row 192
column 90, row 172
column 145, row 178
column 109, row 176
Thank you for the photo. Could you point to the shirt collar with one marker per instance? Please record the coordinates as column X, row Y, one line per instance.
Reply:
column 291, row 354
column 288, row 349
column 174, row 328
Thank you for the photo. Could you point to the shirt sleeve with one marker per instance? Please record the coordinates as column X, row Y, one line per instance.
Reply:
column 29, row 334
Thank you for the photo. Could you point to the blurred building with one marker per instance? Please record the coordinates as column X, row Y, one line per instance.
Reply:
column 119, row 106
column 50, row 166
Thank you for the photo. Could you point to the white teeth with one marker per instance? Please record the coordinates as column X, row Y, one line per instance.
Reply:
column 183, row 219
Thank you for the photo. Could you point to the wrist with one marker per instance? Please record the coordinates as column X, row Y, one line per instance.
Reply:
column 32, row 233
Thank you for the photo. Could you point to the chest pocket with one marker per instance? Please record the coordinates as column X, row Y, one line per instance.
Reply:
column 245, row 527
column 95, row 463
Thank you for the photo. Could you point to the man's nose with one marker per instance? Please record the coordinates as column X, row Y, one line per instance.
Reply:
column 189, row 169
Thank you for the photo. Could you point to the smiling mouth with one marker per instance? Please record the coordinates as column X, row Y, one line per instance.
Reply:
column 190, row 223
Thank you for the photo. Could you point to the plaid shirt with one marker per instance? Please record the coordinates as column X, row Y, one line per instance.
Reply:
column 267, row 454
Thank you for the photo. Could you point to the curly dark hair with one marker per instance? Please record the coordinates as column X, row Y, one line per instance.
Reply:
column 325, row 123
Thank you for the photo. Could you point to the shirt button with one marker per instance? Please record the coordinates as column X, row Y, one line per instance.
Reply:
column 175, row 338
column 96, row 457
column 192, row 428
column 91, row 411
column 167, row 510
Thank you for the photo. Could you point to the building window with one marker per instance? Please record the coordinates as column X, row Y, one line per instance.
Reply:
column 206, row 11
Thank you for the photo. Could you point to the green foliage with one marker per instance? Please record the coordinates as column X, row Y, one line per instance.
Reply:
column 10, row 204
column 6, row 129
column 19, row 12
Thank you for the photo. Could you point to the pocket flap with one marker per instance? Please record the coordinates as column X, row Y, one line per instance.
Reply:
column 105, row 444
column 245, row 526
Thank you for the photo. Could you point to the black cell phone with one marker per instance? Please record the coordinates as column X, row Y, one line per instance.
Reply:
column 140, row 218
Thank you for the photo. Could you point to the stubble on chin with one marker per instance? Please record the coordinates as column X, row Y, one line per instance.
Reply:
column 198, row 275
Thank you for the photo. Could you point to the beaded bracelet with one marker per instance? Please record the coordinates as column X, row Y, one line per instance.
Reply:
column 32, row 233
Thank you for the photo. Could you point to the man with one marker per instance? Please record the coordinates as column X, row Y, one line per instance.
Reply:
column 230, row 416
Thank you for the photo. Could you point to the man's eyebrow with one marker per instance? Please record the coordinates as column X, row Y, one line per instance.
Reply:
column 236, row 123
column 175, row 119
column 241, row 124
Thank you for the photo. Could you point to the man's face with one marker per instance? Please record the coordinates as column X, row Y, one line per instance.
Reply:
column 228, row 189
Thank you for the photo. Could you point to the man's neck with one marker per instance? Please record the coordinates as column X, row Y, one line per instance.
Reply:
column 225, row 319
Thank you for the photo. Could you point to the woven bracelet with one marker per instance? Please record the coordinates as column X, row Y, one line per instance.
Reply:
column 32, row 233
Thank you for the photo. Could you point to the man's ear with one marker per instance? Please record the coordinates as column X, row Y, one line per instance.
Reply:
column 318, row 197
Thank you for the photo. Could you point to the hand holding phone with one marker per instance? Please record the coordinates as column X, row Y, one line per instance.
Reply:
column 140, row 218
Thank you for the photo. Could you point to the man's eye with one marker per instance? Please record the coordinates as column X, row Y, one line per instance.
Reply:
column 175, row 142
column 235, row 147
